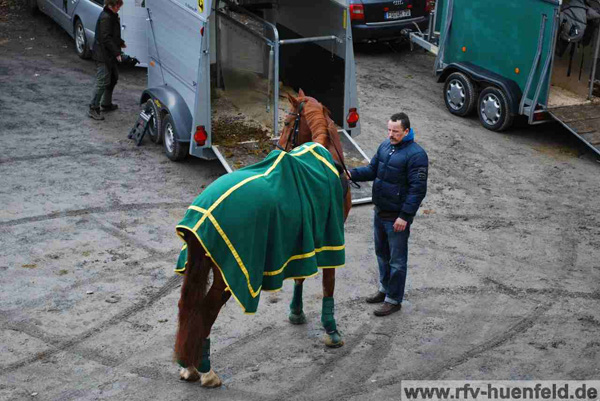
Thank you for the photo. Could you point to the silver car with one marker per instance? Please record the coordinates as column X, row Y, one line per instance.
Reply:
column 78, row 18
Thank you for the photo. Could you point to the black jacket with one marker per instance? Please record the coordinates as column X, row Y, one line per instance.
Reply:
column 107, row 43
column 400, row 178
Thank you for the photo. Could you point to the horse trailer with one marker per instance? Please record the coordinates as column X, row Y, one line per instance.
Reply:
column 534, row 58
column 219, row 68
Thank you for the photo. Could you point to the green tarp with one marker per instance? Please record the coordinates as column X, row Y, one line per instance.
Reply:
column 278, row 219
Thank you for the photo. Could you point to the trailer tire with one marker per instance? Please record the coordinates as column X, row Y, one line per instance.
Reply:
column 460, row 94
column 175, row 150
column 81, row 44
column 493, row 109
column 155, row 126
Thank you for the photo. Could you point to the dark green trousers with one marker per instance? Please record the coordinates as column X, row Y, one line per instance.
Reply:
column 107, row 76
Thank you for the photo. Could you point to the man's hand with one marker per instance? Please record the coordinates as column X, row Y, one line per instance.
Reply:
column 399, row 225
column 119, row 59
column 348, row 175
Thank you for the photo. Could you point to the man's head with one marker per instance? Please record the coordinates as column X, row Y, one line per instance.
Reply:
column 398, row 127
column 114, row 5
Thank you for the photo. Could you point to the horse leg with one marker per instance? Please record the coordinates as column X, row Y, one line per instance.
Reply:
column 198, row 311
column 333, row 338
column 296, row 315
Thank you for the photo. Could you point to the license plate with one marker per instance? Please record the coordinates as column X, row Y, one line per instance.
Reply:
column 397, row 14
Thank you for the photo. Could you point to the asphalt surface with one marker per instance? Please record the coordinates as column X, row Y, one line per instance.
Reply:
column 504, row 265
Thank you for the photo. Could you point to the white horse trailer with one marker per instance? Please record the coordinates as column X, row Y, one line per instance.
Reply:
column 215, row 60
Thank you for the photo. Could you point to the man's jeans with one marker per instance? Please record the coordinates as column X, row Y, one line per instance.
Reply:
column 107, row 76
column 391, row 249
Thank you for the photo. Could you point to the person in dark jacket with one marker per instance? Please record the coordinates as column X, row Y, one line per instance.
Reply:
column 399, row 170
column 107, row 53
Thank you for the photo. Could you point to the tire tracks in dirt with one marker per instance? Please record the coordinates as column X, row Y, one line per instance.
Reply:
column 69, row 344
column 432, row 374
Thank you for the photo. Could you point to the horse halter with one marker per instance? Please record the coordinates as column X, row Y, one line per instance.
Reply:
column 295, row 130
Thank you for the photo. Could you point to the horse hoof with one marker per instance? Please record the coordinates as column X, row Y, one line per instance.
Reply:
column 297, row 318
column 189, row 374
column 210, row 380
column 334, row 339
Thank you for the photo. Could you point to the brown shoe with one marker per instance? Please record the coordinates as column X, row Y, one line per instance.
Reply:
column 376, row 298
column 387, row 309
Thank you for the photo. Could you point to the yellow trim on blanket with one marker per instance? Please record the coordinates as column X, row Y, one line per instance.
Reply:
column 303, row 256
column 218, row 267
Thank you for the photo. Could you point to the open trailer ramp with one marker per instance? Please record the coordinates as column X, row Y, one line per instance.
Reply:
column 581, row 120
column 250, row 152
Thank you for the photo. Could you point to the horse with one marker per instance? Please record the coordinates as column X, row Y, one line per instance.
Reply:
column 308, row 121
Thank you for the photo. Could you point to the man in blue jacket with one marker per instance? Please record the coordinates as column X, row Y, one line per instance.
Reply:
column 399, row 171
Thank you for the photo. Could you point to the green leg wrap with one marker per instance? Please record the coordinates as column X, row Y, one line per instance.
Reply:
column 333, row 337
column 327, row 315
column 205, row 364
column 296, row 315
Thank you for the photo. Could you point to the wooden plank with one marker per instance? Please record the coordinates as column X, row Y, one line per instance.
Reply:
column 593, row 138
column 577, row 113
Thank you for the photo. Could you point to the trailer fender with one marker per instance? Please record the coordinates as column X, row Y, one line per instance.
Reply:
column 170, row 101
column 481, row 75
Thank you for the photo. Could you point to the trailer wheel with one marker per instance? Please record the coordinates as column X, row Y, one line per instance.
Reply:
column 174, row 149
column 154, row 129
column 81, row 45
column 494, row 109
column 459, row 94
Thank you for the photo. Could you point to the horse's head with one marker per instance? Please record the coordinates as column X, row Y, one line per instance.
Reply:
column 308, row 121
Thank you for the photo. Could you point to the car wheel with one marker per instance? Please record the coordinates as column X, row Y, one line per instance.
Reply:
column 174, row 149
column 154, row 127
column 81, row 45
column 459, row 94
column 494, row 109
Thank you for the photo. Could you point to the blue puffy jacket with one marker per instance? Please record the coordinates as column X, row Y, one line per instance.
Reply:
column 400, row 175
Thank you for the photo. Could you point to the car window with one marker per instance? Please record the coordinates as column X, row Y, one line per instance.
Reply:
column 99, row 2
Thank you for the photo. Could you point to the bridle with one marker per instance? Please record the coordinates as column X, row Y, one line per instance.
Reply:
column 294, row 138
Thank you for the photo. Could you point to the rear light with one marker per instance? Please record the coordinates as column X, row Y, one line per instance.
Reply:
column 541, row 115
column 200, row 136
column 429, row 6
column 352, row 118
column 357, row 12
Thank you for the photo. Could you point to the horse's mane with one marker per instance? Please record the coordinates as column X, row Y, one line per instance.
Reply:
column 318, row 118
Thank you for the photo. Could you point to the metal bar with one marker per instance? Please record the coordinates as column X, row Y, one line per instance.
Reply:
column 545, row 71
column 309, row 40
column 439, row 60
column 536, row 61
column 275, row 80
column 430, row 27
column 595, row 64
column 414, row 37
column 555, row 33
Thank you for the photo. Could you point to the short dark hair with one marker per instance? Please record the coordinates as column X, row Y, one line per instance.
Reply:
column 403, row 118
column 113, row 3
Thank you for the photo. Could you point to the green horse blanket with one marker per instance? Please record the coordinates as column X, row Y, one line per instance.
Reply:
column 279, row 219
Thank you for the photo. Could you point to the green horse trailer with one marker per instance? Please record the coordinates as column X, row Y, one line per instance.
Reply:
column 519, row 57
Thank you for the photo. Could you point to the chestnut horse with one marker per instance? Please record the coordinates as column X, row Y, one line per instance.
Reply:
column 308, row 121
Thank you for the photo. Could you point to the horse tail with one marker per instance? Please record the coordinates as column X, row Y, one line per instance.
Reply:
column 192, row 311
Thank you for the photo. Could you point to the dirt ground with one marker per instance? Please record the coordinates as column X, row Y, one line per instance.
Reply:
column 504, row 266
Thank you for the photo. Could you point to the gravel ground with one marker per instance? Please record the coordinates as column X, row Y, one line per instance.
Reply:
column 504, row 264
